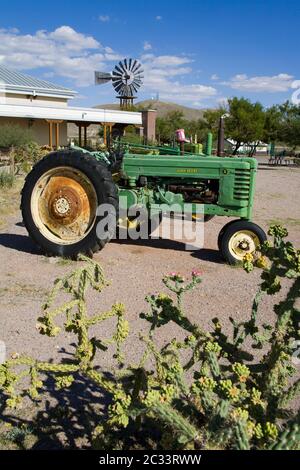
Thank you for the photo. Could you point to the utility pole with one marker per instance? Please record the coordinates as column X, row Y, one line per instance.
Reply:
column 220, row 152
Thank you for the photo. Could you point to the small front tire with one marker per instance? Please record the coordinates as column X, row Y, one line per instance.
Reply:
column 240, row 238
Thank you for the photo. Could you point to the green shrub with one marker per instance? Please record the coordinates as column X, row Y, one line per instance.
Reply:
column 27, row 155
column 206, row 391
column 6, row 179
column 143, row 151
column 12, row 135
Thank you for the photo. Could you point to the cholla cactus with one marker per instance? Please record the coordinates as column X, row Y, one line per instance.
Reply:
column 77, row 321
column 204, row 391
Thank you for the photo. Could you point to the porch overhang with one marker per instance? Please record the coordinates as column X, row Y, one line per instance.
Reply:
column 70, row 114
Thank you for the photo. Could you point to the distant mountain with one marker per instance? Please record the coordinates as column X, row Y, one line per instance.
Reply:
column 162, row 108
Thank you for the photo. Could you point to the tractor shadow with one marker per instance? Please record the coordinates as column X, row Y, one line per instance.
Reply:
column 23, row 243
column 19, row 243
column 203, row 254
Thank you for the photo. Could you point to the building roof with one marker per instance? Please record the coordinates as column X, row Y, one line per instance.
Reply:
column 20, row 83
column 88, row 115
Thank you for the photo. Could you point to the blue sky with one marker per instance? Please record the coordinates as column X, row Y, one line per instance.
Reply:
column 197, row 53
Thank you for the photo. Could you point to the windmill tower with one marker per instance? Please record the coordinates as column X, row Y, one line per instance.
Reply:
column 126, row 78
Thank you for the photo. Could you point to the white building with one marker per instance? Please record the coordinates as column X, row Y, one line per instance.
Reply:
column 44, row 108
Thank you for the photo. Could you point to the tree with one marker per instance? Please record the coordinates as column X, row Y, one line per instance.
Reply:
column 273, row 117
column 289, row 128
column 166, row 126
column 12, row 135
column 212, row 118
column 245, row 123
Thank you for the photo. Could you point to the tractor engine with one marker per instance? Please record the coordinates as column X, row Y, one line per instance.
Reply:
column 204, row 192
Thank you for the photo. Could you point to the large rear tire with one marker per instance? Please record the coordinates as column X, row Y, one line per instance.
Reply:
column 59, row 203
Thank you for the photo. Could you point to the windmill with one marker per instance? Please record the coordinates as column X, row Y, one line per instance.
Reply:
column 126, row 79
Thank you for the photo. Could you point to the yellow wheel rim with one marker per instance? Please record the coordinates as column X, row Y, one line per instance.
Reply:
column 242, row 243
column 63, row 205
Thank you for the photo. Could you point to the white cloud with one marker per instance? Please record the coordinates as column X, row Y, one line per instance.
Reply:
column 158, row 18
column 165, row 60
column 147, row 46
column 159, row 77
column 64, row 51
column 268, row 84
column 104, row 18
column 67, row 53
column 68, row 37
column 214, row 77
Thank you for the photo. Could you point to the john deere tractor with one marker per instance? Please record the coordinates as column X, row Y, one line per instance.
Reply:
column 63, row 192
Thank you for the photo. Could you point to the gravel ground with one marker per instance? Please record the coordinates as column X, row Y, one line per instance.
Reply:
column 135, row 269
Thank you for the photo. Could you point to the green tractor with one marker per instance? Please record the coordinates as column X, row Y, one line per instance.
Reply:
column 63, row 192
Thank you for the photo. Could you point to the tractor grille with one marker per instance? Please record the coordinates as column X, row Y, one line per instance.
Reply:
column 242, row 182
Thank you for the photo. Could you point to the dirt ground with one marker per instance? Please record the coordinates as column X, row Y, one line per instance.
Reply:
column 135, row 269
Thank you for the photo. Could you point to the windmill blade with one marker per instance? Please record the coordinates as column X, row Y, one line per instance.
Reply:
column 137, row 67
column 134, row 87
column 102, row 77
column 134, row 62
column 119, row 87
column 117, row 80
column 122, row 67
column 125, row 63
column 130, row 62
column 137, row 84
column 117, row 73
column 118, row 69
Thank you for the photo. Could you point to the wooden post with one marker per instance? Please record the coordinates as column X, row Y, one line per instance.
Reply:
column 105, row 135
column 50, row 134
column 85, row 136
column 57, row 135
column 50, row 123
column 79, row 139
column 109, row 134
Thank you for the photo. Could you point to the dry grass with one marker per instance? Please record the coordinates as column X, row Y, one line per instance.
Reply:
column 23, row 290
column 10, row 201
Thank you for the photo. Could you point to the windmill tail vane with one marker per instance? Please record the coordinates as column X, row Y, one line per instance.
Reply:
column 127, row 78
